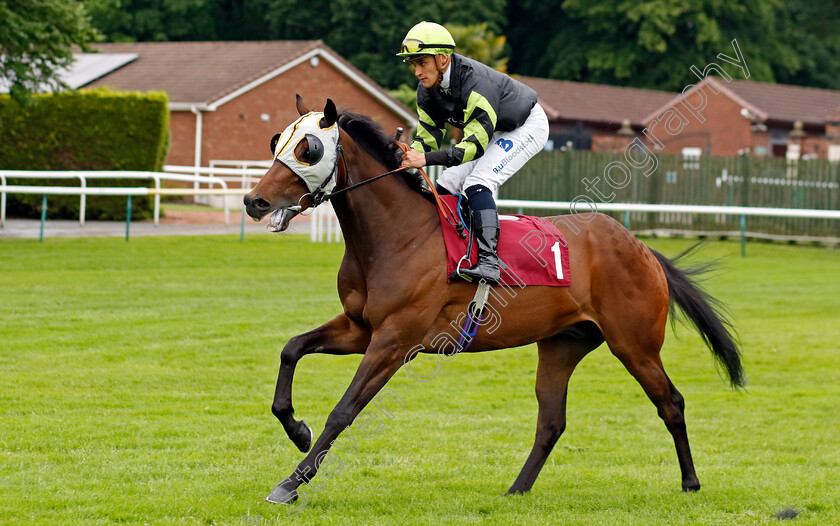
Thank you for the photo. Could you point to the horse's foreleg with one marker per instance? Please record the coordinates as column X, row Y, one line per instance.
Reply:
column 557, row 361
column 376, row 368
column 338, row 336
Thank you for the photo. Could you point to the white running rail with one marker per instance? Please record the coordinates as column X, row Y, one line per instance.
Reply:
column 85, row 175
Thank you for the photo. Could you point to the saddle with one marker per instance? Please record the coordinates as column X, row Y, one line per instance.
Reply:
column 532, row 251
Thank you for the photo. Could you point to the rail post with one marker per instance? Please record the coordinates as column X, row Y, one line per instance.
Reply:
column 3, row 202
column 157, row 200
column 43, row 218
column 127, row 218
column 743, row 236
column 82, row 200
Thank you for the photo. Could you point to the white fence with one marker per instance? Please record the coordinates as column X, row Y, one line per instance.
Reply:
column 242, row 174
column 323, row 222
column 83, row 176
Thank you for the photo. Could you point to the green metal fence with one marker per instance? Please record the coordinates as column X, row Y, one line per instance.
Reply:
column 715, row 181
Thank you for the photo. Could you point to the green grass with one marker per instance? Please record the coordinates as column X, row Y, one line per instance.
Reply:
column 137, row 379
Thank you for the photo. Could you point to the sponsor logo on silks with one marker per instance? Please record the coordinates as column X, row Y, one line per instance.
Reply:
column 505, row 144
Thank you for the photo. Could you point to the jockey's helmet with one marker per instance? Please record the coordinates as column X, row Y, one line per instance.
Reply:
column 426, row 38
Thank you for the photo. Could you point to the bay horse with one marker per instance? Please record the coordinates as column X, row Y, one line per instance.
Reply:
column 392, row 283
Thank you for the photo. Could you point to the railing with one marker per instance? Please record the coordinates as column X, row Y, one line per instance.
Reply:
column 127, row 191
column 742, row 212
column 324, row 224
column 239, row 175
column 84, row 175
column 812, row 184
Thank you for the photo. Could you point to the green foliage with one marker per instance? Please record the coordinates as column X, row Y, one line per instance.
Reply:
column 643, row 43
column 406, row 94
column 155, row 20
column 86, row 130
column 36, row 42
column 367, row 33
column 384, row 24
column 648, row 43
column 477, row 42
column 812, row 31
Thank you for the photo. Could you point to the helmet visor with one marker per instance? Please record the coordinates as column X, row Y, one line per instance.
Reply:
column 413, row 46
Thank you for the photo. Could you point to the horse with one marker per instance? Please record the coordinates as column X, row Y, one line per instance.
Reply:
column 392, row 283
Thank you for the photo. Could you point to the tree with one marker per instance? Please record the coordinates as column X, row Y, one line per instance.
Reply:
column 477, row 42
column 368, row 32
column 812, row 30
column 155, row 20
column 643, row 43
column 36, row 42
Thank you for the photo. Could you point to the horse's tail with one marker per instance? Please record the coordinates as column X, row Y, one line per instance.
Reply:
column 707, row 314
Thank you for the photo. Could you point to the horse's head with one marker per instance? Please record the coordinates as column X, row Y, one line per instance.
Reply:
column 304, row 168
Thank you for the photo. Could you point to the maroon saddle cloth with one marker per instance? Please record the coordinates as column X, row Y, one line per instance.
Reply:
column 532, row 250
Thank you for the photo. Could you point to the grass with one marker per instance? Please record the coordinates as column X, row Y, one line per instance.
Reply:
column 137, row 379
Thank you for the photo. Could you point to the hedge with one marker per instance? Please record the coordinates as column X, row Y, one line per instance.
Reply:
column 97, row 129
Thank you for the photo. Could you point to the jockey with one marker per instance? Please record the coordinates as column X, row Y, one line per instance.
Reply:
column 503, row 127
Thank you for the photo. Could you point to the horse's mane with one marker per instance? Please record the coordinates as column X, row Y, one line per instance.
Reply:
column 370, row 136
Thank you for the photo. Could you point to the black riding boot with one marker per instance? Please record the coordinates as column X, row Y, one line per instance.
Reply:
column 486, row 229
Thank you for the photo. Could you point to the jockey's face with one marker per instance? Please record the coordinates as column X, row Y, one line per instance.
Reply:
column 426, row 70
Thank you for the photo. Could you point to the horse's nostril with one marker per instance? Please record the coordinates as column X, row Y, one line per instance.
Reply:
column 261, row 203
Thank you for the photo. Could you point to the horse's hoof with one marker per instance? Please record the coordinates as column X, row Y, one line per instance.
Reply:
column 281, row 495
column 303, row 437
column 693, row 487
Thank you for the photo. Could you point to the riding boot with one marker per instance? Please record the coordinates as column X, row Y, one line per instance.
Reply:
column 486, row 229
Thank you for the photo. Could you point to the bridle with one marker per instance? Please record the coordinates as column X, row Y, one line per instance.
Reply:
column 319, row 195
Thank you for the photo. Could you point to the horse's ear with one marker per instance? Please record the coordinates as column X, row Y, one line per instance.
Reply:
column 330, row 113
column 301, row 107
column 274, row 142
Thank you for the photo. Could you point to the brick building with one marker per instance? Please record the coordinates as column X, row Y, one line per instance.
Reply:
column 716, row 117
column 228, row 98
column 732, row 117
column 594, row 116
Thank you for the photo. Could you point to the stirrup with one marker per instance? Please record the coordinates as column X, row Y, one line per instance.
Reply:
column 456, row 274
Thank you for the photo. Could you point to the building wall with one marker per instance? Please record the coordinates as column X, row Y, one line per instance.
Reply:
column 238, row 129
column 832, row 132
column 724, row 129
column 181, row 138
column 813, row 146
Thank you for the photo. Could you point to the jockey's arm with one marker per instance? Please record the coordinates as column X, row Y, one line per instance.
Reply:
column 413, row 159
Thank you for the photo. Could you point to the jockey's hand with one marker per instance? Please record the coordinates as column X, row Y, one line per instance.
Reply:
column 413, row 159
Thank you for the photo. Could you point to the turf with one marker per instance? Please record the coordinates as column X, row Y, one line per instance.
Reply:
column 137, row 378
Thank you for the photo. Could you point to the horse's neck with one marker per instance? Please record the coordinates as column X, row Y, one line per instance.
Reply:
column 383, row 215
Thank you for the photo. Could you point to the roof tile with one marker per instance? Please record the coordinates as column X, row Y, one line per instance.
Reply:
column 567, row 100
column 782, row 102
column 198, row 72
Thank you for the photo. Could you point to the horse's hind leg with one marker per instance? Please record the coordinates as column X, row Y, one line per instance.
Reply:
column 558, row 357
column 338, row 336
column 644, row 364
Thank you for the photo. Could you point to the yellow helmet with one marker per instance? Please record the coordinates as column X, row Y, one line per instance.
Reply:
column 426, row 38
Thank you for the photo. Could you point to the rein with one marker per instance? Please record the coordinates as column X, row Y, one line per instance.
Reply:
column 441, row 204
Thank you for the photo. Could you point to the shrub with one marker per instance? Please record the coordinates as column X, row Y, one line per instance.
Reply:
column 95, row 129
